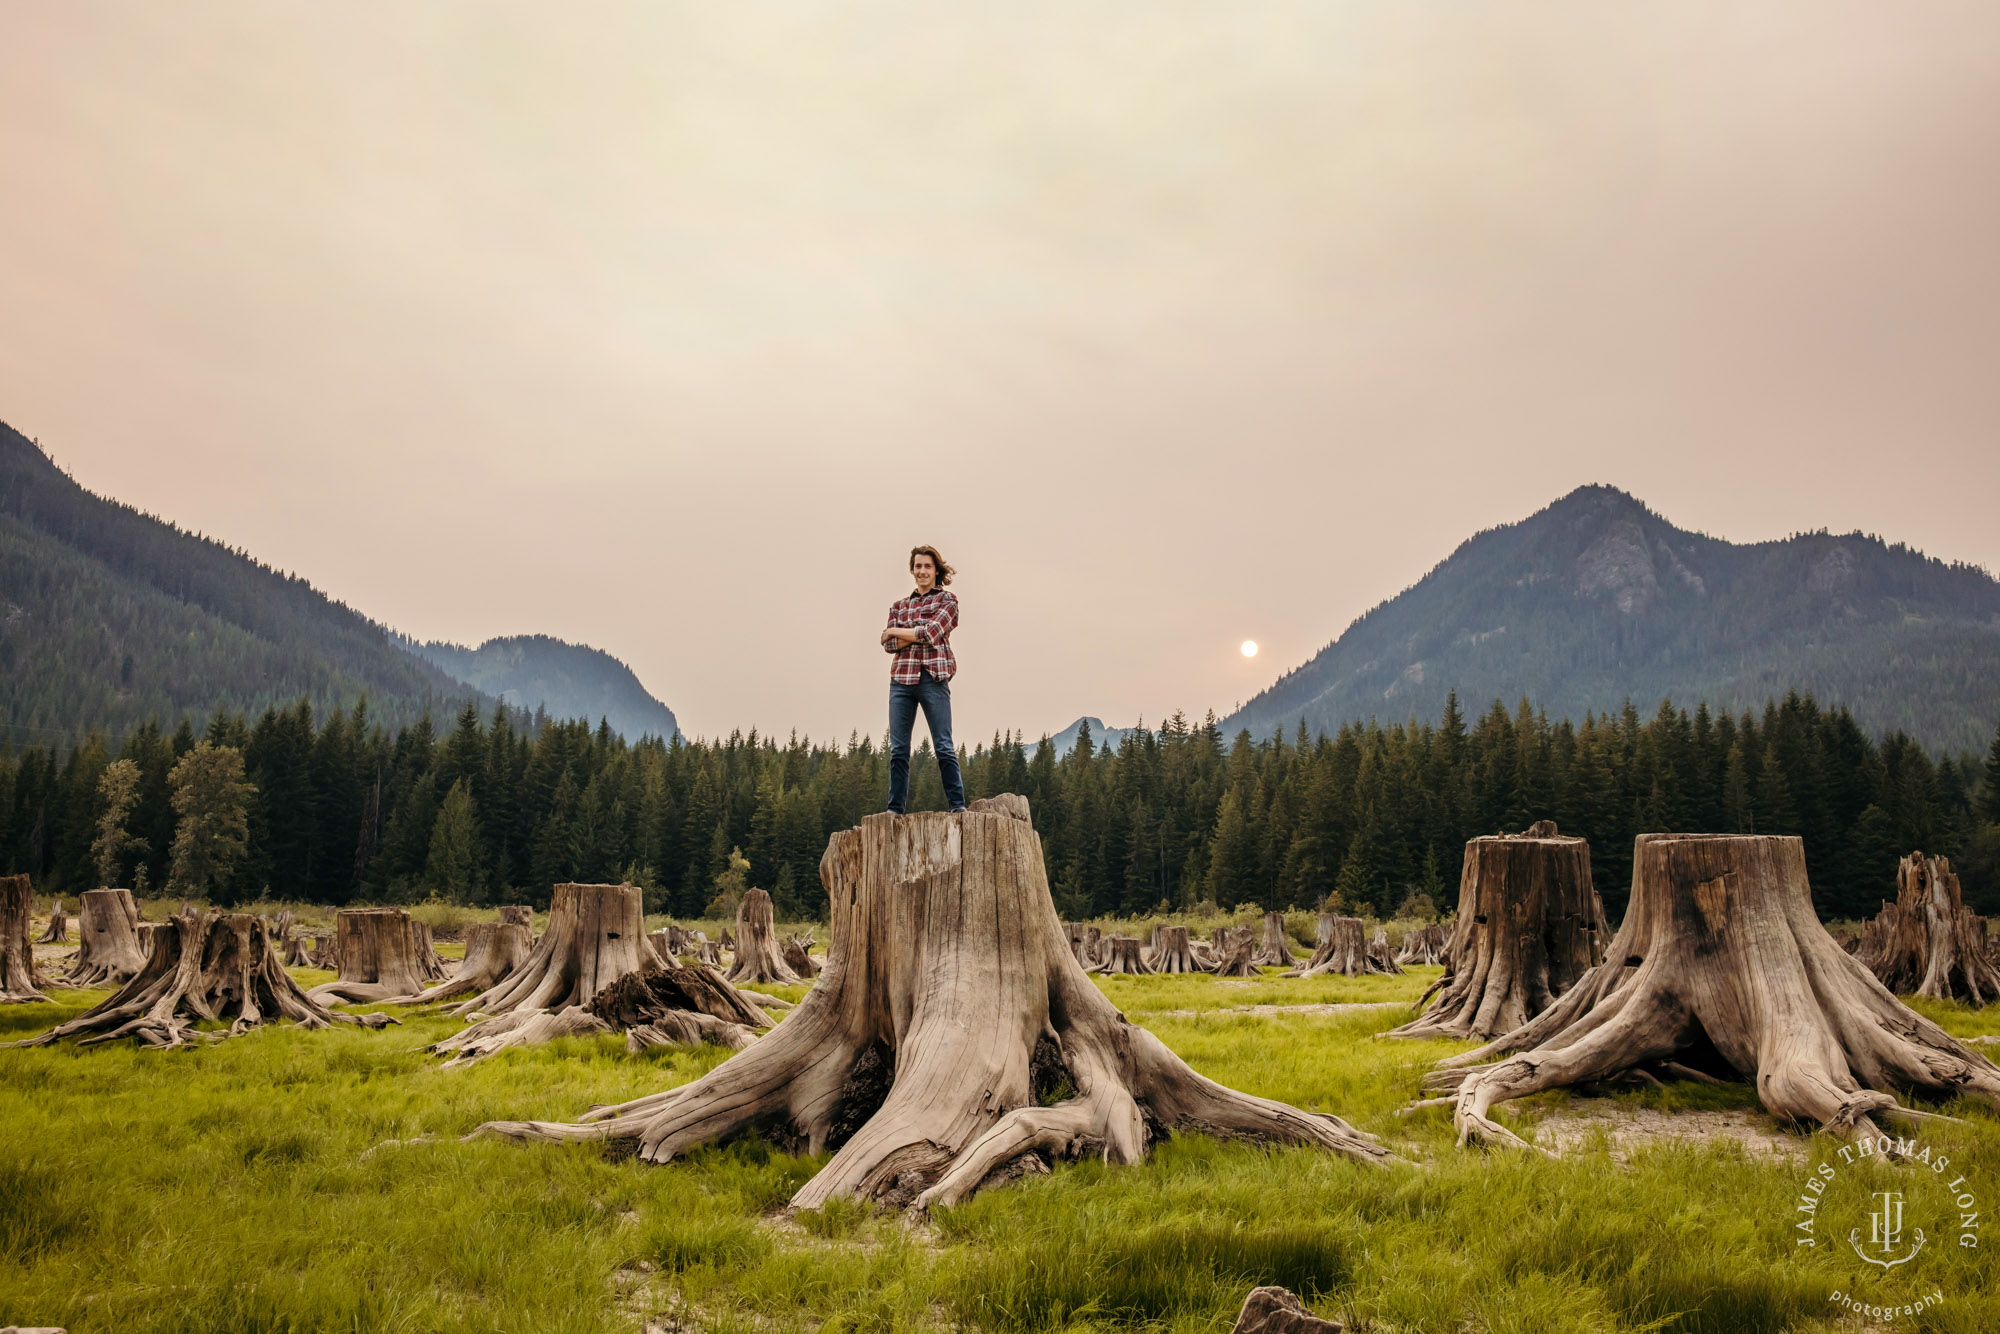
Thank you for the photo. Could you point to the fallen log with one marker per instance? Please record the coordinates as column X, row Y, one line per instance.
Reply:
column 949, row 1007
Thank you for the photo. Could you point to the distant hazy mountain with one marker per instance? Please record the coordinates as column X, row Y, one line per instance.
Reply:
column 1065, row 740
column 1596, row 599
column 563, row 680
column 110, row 617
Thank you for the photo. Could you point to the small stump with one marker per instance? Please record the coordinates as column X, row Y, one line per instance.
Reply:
column 1927, row 942
column 107, row 931
column 758, row 956
column 18, row 983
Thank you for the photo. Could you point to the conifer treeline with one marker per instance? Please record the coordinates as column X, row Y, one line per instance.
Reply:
column 345, row 811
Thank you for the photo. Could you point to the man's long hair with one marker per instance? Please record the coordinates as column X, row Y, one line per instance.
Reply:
column 944, row 571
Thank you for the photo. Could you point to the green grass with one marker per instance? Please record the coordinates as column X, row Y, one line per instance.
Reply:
column 233, row 1187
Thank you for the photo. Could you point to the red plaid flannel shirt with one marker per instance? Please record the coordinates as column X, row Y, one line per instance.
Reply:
column 933, row 615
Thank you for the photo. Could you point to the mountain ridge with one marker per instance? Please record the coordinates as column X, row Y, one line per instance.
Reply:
column 562, row 679
column 1596, row 599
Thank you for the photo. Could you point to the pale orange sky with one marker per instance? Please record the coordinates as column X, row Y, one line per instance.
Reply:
column 669, row 328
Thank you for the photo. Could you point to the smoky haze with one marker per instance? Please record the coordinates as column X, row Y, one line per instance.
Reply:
column 670, row 329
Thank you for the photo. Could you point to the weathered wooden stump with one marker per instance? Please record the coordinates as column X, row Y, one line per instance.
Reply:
column 325, row 952
column 1927, row 942
column 1275, row 950
column 290, row 945
column 1529, row 926
column 430, row 964
column 1234, row 951
column 1721, row 966
column 919, row 1056
column 1124, row 955
column 519, row 914
column 759, row 957
column 596, row 935
column 1174, row 953
column 1381, row 958
column 378, row 954
column 799, row 956
column 57, row 932
column 18, row 983
column 1277, row 1311
column 1425, row 945
column 493, row 952
column 107, row 933
column 216, row 966
column 1343, row 949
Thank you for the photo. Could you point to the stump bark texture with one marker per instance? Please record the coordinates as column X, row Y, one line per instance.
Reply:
column 18, row 983
column 107, row 933
column 1425, row 945
column 759, row 958
column 1529, row 927
column 216, row 966
column 1721, row 966
column 1927, row 942
column 799, row 957
column 379, row 955
column 949, row 999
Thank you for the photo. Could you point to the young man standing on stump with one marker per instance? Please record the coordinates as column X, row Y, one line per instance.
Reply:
column 919, row 637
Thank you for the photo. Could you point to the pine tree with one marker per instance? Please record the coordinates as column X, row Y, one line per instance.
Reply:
column 452, row 869
column 118, row 790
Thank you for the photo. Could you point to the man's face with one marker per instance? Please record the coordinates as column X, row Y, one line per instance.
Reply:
column 924, row 568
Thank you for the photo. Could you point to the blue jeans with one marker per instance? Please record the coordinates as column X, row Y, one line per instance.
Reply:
column 934, row 697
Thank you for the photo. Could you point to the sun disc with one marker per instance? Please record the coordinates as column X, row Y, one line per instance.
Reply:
column 1249, row 648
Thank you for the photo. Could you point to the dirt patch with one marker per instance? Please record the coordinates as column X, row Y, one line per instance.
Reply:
column 1267, row 1011
column 1630, row 1128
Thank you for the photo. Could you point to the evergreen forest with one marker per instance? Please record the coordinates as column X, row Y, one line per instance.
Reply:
column 341, row 809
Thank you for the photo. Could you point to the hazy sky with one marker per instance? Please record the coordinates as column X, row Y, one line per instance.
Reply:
column 670, row 327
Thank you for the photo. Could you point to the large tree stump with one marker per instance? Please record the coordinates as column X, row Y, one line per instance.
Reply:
column 1275, row 951
column 1123, row 956
column 18, row 983
column 1234, row 952
column 1342, row 949
column 430, row 964
column 1174, row 953
column 379, row 957
column 217, row 966
column 493, row 951
column 1529, row 926
column 1425, row 945
column 1928, row 942
column 596, row 934
column 656, row 1005
column 1722, row 966
column 107, row 933
column 58, row 928
column 1381, row 958
column 949, row 1000
column 759, row 957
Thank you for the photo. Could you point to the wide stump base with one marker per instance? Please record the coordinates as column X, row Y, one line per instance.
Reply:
column 949, row 996
column 1721, row 966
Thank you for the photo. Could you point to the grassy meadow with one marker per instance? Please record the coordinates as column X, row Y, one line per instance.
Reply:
column 293, row 1181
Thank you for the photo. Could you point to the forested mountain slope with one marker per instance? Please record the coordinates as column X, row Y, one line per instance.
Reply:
column 110, row 617
column 563, row 680
column 1597, row 599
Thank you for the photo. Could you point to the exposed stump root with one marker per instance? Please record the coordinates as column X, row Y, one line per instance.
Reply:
column 1426, row 945
column 1722, row 966
column 1121, row 956
column 1275, row 949
column 596, row 935
column 1927, row 942
column 58, row 928
column 1529, row 926
column 218, row 966
column 1233, row 952
column 18, row 983
column 759, row 957
column 914, row 1058
column 1381, row 958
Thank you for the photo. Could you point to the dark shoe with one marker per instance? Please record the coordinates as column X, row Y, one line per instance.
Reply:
column 890, row 810
column 956, row 809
